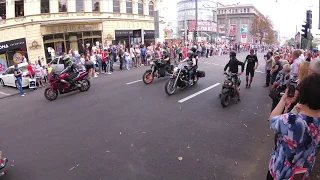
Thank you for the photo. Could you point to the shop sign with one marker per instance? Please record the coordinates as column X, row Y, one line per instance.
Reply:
column 3, row 63
column 72, row 28
column 203, row 26
column 14, row 44
column 149, row 33
column 125, row 33
column 222, row 28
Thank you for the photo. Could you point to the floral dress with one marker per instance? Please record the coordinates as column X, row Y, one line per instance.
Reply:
column 299, row 136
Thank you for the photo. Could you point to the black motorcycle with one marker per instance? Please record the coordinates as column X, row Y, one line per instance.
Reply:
column 162, row 70
column 3, row 163
column 180, row 78
column 228, row 91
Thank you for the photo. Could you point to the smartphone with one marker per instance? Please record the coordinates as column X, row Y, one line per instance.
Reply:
column 299, row 174
column 291, row 90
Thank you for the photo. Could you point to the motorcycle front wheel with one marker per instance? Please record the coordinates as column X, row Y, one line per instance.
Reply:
column 85, row 85
column 225, row 99
column 148, row 77
column 170, row 87
column 51, row 94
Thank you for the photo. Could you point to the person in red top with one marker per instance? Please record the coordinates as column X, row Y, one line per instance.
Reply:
column 30, row 69
column 104, row 55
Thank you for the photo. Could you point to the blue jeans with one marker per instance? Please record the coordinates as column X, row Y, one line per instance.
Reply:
column 100, row 65
column 19, row 80
column 143, row 58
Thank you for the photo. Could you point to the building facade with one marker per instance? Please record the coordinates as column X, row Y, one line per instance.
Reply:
column 33, row 27
column 234, row 22
column 216, row 20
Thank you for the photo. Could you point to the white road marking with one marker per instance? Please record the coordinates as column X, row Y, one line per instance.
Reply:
column 4, row 93
column 260, row 72
column 206, row 63
column 222, row 65
column 133, row 82
column 198, row 93
column 215, row 64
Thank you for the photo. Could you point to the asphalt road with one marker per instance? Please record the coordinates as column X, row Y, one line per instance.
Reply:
column 122, row 129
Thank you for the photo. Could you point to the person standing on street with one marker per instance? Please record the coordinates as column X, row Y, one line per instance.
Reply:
column 18, row 75
column 268, row 67
column 252, row 65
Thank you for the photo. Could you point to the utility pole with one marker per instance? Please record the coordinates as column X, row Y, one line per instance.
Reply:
column 196, row 1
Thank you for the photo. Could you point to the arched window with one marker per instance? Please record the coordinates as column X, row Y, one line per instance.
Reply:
column 79, row 5
column 116, row 6
column 151, row 8
column 63, row 6
column 140, row 7
column 129, row 7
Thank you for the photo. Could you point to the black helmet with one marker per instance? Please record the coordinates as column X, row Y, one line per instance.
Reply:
column 233, row 54
column 190, row 54
column 164, row 52
column 194, row 49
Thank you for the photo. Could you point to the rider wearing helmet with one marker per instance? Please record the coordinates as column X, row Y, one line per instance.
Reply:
column 233, row 68
column 71, row 69
column 192, row 64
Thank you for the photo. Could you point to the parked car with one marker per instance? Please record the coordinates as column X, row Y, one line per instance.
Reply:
column 57, row 64
column 7, row 78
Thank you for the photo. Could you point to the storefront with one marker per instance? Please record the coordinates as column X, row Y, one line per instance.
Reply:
column 62, row 38
column 12, row 52
column 127, row 37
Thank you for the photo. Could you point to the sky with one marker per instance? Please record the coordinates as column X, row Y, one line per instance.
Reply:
column 285, row 14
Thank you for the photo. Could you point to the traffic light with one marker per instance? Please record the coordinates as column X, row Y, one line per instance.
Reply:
column 305, row 31
column 196, row 33
column 309, row 19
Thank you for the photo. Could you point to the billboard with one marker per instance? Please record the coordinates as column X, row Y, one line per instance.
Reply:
column 208, row 26
column 233, row 29
column 3, row 63
column 244, row 32
column 222, row 28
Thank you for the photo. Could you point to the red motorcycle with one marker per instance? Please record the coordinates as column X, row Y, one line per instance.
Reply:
column 58, row 85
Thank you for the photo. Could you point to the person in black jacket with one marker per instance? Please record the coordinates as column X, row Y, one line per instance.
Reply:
column 233, row 65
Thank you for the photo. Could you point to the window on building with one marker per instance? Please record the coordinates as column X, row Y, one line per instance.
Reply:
column 95, row 5
column 116, row 6
column 19, row 8
column 151, row 8
column 3, row 9
column 63, row 6
column 244, row 10
column 129, row 7
column 140, row 7
column 236, row 10
column 45, row 6
column 79, row 5
column 248, row 10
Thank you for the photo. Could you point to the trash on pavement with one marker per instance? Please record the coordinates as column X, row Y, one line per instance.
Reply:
column 180, row 158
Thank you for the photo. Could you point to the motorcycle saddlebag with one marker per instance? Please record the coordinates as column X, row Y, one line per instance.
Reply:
column 201, row 74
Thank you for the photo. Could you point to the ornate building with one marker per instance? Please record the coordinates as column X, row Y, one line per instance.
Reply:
column 32, row 27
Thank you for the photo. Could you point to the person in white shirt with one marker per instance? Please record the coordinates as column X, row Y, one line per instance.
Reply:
column 127, row 58
column 133, row 56
column 94, row 60
column 295, row 64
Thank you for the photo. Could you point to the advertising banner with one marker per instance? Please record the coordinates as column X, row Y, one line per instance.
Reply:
column 233, row 29
column 222, row 29
column 244, row 32
column 208, row 26
column 3, row 63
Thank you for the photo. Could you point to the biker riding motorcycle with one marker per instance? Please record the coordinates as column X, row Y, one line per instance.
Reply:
column 233, row 68
column 192, row 66
column 71, row 69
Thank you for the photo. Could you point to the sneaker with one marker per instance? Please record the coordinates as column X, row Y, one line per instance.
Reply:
column 95, row 76
column 23, row 95
column 239, row 100
column 249, row 86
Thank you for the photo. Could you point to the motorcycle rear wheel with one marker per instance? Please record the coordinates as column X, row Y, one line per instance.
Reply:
column 85, row 85
column 170, row 87
column 225, row 100
column 51, row 94
column 148, row 77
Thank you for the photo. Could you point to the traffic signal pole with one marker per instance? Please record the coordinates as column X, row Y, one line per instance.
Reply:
column 196, row 28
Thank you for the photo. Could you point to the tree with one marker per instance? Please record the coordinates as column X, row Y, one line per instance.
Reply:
column 269, row 39
column 290, row 42
column 261, row 26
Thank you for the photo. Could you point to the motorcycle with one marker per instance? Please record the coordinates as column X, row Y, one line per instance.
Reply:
column 149, row 75
column 180, row 78
column 3, row 163
column 228, row 91
column 58, row 85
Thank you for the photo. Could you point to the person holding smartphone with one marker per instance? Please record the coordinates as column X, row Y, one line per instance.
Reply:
column 18, row 75
column 297, row 135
